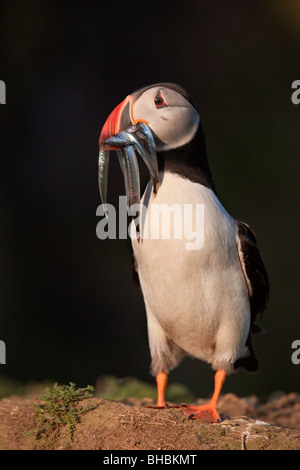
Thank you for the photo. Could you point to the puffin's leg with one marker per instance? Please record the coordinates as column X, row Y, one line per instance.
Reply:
column 208, row 412
column 165, row 355
column 162, row 381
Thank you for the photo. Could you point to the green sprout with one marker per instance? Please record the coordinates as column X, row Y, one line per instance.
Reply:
column 59, row 407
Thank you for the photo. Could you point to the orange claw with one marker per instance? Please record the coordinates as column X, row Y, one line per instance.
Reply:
column 204, row 413
column 208, row 412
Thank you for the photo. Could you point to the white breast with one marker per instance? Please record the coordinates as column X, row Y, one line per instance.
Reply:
column 199, row 297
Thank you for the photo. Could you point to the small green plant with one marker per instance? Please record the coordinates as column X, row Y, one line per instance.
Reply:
column 59, row 407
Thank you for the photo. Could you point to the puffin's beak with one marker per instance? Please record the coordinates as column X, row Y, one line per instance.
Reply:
column 118, row 120
column 124, row 133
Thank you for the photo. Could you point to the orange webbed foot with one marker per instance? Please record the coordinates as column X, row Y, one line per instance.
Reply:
column 204, row 413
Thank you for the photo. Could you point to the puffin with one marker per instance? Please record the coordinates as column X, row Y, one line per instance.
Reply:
column 201, row 302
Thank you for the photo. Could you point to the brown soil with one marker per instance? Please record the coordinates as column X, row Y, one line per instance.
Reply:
column 111, row 425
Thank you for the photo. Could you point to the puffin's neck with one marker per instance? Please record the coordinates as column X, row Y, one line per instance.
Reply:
column 189, row 161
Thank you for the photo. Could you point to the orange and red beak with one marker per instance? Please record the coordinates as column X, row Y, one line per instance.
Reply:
column 113, row 124
column 118, row 120
column 127, row 135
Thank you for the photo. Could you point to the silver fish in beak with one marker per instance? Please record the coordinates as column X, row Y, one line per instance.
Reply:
column 129, row 137
column 103, row 164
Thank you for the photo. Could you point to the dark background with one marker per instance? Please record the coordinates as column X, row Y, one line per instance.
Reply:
column 69, row 309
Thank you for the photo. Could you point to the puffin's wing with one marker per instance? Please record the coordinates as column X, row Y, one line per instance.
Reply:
column 257, row 281
column 255, row 272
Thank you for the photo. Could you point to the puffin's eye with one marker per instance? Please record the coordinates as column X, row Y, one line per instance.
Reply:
column 159, row 101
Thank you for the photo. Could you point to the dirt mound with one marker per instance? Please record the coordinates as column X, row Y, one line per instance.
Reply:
column 112, row 425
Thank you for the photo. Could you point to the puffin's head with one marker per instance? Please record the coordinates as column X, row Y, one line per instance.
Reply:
column 159, row 117
column 166, row 108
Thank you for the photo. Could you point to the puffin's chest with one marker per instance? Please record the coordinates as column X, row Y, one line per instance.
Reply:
column 184, row 224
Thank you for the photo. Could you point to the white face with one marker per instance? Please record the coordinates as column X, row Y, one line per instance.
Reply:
column 169, row 115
